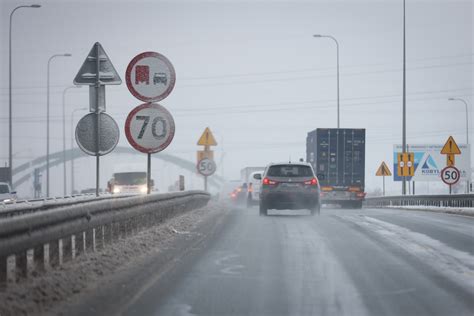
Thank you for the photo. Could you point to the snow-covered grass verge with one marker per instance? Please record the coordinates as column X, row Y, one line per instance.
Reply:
column 44, row 294
column 454, row 264
column 467, row 211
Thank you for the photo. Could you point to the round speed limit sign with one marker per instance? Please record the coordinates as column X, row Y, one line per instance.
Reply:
column 149, row 128
column 450, row 175
column 206, row 167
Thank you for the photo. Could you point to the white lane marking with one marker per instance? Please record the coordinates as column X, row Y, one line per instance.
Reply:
column 452, row 263
column 229, row 268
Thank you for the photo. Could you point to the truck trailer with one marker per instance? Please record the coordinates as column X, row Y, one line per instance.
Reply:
column 338, row 159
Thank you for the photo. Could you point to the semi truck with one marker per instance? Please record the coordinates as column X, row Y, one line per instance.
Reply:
column 338, row 159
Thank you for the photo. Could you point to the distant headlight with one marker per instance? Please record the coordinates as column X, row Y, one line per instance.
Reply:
column 116, row 190
column 143, row 189
column 7, row 200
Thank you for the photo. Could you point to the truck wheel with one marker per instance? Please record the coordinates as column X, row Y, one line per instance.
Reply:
column 263, row 208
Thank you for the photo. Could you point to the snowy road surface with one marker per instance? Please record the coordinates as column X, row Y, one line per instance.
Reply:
column 344, row 262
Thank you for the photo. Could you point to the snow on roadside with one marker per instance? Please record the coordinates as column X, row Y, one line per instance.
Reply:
column 454, row 264
column 467, row 211
column 40, row 293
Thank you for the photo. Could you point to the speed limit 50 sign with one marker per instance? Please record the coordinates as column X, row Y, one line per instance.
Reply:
column 450, row 175
column 206, row 167
column 149, row 128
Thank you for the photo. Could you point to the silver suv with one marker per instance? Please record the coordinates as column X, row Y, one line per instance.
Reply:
column 289, row 186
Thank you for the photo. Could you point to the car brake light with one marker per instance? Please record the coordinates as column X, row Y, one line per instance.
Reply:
column 267, row 181
column 313, row 181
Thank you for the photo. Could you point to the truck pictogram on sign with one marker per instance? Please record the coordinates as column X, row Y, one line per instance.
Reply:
column 142, row 74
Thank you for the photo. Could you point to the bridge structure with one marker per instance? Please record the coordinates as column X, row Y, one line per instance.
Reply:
column 25, row 171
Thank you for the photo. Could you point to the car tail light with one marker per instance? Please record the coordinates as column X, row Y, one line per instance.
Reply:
column 361, row 194
column 313, row 181
column 267, row 181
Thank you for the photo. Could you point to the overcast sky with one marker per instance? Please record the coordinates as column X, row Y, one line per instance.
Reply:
column 250, row 70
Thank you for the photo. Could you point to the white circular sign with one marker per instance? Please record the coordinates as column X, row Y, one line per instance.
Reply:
column 206, row 167
column 149, row 128
column 150, row 77
column 450, row 175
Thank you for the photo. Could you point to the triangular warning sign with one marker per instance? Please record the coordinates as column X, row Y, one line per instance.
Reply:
column 106, row 72
column 450, row 147
column 383, row 170
column 207, row 139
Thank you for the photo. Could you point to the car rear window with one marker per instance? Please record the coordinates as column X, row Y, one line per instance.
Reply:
column 290, row 171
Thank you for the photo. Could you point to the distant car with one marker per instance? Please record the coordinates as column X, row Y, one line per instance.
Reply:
column 253, row 196
column 6, row 194
column 239, row 195
column 290, row 186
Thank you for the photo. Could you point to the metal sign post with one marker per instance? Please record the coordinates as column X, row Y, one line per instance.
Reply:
column 97, row 111
column 149, row 129
column 206, row 165
column 97, row 71
column 148, row 174
column 383, row 171
column 150, row 77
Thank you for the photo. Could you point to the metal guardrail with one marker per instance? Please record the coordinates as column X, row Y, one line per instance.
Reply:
column 448, row 200
column 21, row 207
column 54, row 236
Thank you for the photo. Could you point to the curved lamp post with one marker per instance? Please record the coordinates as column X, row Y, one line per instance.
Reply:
column 10, row 137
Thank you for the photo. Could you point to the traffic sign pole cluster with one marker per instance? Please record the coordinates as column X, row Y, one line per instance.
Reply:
column 205, row 158
column 450, row 174
column 97, row 133
column 149, row 127
column 382, row 172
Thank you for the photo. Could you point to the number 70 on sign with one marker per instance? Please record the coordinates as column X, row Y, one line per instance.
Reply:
column 149, row 128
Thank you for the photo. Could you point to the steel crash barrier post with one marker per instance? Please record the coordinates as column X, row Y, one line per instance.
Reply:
column 66, row 249
column 38, row 258
column 41, row 235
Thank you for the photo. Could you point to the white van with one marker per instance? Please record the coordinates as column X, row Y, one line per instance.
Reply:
column 253, row 188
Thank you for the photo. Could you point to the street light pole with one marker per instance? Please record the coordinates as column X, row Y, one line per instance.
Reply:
column 64, row 137
column 404, row 116
column 47, row 119
column 10, row 135
column 72, row 146
column 337, row 51
column 467, row 130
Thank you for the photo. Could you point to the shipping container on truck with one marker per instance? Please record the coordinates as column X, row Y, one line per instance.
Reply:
column 338, row 159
